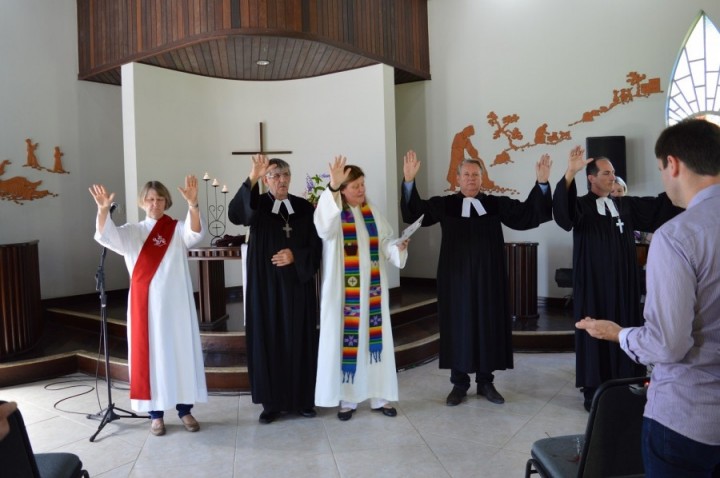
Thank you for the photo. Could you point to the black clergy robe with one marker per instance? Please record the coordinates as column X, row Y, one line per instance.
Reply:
column 472, row 281
column 606, row 275
column 281, row 308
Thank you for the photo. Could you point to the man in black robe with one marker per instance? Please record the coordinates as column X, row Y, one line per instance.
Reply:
column 472, row 281
column 606, row 274
column 283, row 256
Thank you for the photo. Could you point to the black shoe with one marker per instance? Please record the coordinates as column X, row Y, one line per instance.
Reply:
column 267, row 417
column 308, row 412
column 346, row 415
column 487, row 389
column 588, row 394
column 388, row 412
column 456, row 397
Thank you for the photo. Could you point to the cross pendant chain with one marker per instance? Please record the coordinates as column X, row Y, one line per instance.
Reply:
column 287, row 229
column 620, row 224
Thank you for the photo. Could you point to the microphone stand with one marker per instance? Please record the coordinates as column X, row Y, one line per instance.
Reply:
column 108, row 415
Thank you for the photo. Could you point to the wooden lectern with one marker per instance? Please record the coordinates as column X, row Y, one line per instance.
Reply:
column 213, row 309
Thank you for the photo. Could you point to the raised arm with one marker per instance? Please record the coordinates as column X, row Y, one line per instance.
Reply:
column 190, row 194
column 260, row 167
column 542, row 169
column 411, row 166
column 338, row 174
column 576, row 163
column 104, row 200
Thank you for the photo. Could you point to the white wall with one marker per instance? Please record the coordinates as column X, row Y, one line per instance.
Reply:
column 42, row 99
column 548, row 62
column 178, row 124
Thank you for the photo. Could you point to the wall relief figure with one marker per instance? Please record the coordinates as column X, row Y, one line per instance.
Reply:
column 19, row 189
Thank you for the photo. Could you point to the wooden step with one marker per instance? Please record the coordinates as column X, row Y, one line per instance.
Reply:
column 76, row 328
column 71, row 339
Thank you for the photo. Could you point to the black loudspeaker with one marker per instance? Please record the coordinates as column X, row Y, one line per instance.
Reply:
column 613, row 148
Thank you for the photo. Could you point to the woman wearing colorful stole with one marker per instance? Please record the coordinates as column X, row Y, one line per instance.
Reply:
column 164, row 353
column 356, row 357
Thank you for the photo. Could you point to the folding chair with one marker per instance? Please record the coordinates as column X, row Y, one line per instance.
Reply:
column 611, row 444
column 18, row 460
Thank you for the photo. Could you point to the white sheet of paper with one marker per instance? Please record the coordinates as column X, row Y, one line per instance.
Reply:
column 409, row 230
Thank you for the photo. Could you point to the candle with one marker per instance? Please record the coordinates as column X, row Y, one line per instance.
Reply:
column 206, row 177
column 224, row 189
column 215, row 182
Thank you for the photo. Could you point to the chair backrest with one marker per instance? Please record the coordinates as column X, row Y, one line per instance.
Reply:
column 16, row 455
column 613, row 436
column 18, row 460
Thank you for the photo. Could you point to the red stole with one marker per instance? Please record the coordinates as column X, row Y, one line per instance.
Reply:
column 151, row 254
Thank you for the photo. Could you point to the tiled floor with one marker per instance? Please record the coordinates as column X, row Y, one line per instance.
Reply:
column 427, row 438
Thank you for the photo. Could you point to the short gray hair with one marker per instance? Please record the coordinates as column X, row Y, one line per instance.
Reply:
column 470, row 161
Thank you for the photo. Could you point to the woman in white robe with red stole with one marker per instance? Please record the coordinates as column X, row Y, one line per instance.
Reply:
column 164, row 350
column 356, row 356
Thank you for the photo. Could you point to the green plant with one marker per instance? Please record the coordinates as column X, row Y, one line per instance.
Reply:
column 314, row 186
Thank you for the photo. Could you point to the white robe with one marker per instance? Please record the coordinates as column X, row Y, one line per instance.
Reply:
column 376, row 380
column 177, row 373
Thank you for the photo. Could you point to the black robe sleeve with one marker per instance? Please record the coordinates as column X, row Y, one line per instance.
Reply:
column 244, row 205
column 413, row 207
column 521, row 216
column 564, row 204
column 649, row 213
column 307, row 253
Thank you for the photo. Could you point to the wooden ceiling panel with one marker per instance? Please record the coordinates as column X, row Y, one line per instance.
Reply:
column 226, row 38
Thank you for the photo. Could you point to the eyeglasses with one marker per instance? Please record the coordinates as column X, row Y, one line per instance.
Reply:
column 278, row 175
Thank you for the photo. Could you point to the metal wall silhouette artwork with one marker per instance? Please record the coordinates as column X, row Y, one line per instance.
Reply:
column 19, row 189
column 505, row 128
column 32, row 160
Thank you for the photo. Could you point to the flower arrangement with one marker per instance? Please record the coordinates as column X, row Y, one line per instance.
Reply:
column 314, row 186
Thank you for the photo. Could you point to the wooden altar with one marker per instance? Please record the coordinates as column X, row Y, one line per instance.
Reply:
column 213, row 310
column 521, row 264
column 20, row 307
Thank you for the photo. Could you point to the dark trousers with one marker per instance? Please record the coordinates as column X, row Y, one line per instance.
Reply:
column 182, row 409
column 668, row 454
column 462, row 380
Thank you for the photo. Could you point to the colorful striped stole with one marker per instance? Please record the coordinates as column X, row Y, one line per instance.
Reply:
column 351, row 308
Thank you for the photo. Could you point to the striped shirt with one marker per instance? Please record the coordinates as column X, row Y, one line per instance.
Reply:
column 681, row 335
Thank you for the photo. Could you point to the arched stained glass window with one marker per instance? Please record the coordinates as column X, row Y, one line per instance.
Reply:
column 695, row 86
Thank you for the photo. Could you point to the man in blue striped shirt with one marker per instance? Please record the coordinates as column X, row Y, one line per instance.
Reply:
column 681, row 334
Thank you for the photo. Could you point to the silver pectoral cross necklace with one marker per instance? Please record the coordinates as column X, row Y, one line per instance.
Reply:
column 286, row 227
column 620, row 224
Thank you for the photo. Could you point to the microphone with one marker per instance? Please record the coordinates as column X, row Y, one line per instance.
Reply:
column 113, row 206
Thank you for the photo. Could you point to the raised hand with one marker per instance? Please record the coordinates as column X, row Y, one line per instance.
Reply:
column 577, row 161
column 338, row 175
column 190, row 191
column 102, row 198
column 411, row 166
column 260, row 167
column 542, row 168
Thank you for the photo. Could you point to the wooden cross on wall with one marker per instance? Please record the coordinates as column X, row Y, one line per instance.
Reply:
column 262, row 147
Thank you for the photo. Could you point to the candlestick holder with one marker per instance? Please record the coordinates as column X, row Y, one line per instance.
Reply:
column 215, row 210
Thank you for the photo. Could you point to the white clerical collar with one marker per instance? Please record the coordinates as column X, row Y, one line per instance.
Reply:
column 475, row 204
column 606, row 201
column 278, row 202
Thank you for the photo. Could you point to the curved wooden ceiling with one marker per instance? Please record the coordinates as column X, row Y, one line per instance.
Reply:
column 226, row 38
